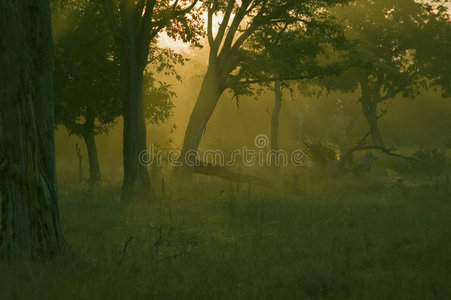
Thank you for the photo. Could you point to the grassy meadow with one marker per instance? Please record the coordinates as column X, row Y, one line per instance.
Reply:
column 369, row 237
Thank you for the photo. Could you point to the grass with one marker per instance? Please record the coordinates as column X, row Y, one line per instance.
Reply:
column 330, row 239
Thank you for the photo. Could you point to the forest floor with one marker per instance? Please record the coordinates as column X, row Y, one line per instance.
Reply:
column 331, row 239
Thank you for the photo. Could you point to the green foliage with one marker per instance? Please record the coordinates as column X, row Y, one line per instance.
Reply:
column 323, row 153
column 433, row 52
column 304, row 51
column 179, row 26
column 279, row 40
column 383, row 61
column 87, row 73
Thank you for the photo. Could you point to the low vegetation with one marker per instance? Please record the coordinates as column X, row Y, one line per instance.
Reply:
column 331, row 238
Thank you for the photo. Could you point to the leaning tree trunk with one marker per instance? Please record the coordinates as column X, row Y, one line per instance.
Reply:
column 207, row 100
column 30, row 227
column 93, row 158
column 275, row 124
column 136, row 176
column 369, row 109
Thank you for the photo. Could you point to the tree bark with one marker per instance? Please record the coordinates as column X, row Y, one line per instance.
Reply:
column 30, row 228
column 95, row 177
column 275, row 123
column 207, row 100
column 80, row 163
column 369, row 109
column 136, row 176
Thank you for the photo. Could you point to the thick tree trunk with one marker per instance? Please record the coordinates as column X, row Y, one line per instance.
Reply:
column 369, row 109
column 30, row 227
column 136, row 176
column 207, row 100
column 93, row 158
column 275, row 123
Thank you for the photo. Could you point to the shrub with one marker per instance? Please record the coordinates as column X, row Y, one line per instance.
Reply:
column 428, row 163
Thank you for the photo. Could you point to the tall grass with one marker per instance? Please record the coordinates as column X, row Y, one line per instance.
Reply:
column 329, row 239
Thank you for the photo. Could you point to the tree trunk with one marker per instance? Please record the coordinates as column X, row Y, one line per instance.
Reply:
column 30, row 228
column 207, row 100
column 136, row 176
column 80, row 163
column 93, row 158
column 275, row 123
column 369, row 109
column 300, row 127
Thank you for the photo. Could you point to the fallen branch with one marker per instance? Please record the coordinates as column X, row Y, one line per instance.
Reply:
column 124, row 250
column 346, row 161
column 387, row 151
column 224, row 173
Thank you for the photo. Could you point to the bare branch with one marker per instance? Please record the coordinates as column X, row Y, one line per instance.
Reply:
column 145, row 31
column 279, row 78
column 124, row 249
column 388, row 151
column 233, row 29
column 188, row 9
column 211, row 40
column 224, row 24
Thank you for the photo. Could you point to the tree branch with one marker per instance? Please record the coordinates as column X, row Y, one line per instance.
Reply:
column 145, row 32
column 274, row 79
column 107, row 9
column 211, row 40
column 225, row 173
column 388, row 151
column 233, row 30
column 222, row 28
column 186, row 10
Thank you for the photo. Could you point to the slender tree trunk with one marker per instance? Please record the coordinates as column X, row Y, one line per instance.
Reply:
column 275, row 123
column 207, row 100
column 30, row 227
column 300, row 127
column 369, row 109
column 93, row 158
column 136, row 176
column 80, row 163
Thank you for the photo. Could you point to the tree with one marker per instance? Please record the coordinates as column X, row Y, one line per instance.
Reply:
column 433, row 52
column 135, row 25
column 87, row 82
column 30, row 226
column 240, row 21
column 275, row 59
column 384, row 62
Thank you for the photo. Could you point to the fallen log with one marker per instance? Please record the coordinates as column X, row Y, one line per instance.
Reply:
column 225, row 173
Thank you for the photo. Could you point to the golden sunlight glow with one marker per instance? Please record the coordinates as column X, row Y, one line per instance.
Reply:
column 179, row 46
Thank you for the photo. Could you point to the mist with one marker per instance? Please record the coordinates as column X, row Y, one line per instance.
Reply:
column 225, row 149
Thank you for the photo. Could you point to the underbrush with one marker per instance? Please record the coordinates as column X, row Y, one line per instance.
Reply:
column 428, row 164
column 332, row 239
